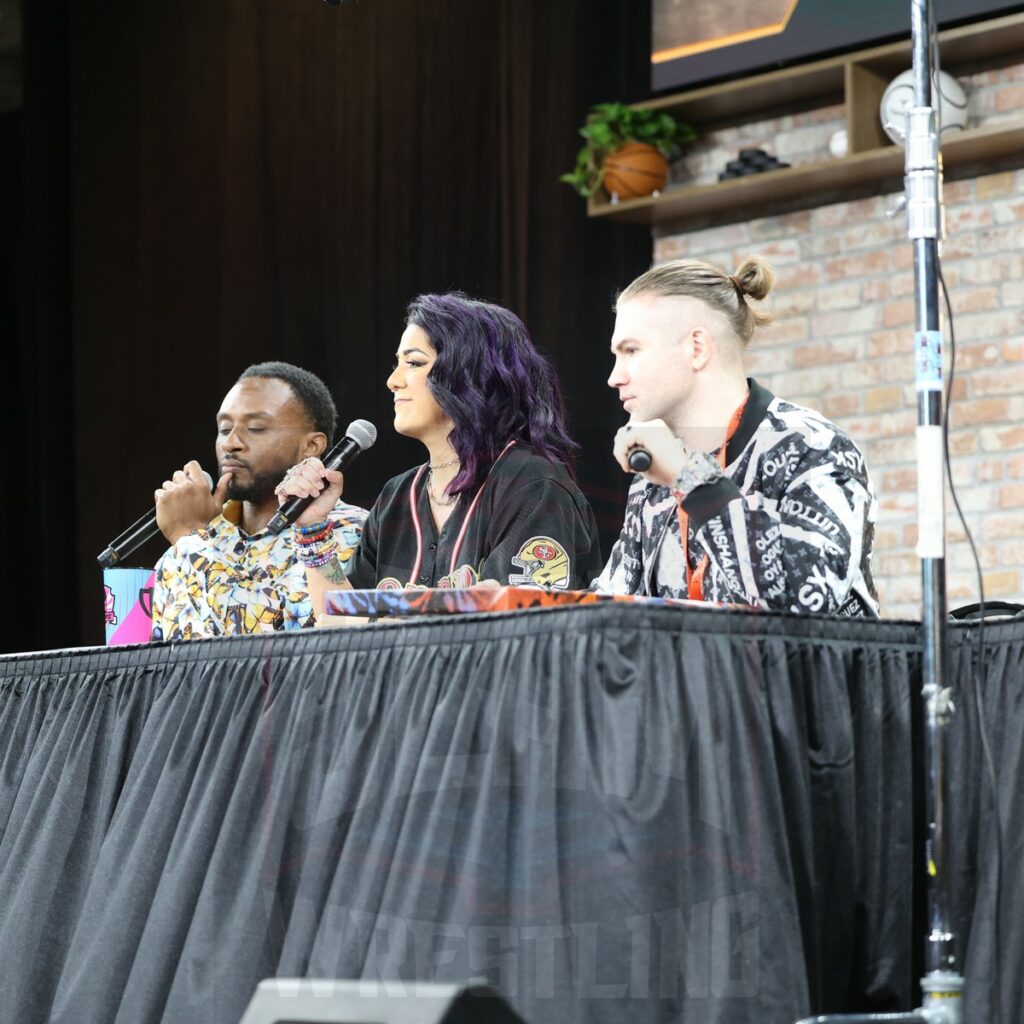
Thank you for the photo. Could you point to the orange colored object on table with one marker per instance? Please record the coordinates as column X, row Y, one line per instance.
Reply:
column 443, row 601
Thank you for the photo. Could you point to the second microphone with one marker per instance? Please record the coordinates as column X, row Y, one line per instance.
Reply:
column 359, row 435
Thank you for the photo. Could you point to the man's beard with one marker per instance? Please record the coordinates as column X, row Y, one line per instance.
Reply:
column 258, row 489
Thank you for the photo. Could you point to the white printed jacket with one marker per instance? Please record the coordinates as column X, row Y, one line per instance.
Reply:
column 789, row 526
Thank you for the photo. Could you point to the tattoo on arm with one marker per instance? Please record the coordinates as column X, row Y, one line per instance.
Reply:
column 333, row 571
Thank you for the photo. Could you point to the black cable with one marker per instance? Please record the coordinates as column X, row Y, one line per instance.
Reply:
column 986, row 745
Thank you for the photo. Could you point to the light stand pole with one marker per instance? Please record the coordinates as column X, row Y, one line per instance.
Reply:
column 942, row 983
column 924, row 215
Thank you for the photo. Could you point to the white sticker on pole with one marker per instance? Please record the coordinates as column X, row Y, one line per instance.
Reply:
column 931, row 495
column 928, row 360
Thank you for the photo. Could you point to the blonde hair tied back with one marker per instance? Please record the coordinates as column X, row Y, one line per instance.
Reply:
column 726, row 293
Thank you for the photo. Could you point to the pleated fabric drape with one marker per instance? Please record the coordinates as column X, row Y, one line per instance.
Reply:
column 680, row 815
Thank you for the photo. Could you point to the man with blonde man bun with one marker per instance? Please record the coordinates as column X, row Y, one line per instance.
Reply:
column 747, row 498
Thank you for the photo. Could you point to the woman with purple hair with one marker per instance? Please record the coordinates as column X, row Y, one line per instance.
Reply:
column 495, row 499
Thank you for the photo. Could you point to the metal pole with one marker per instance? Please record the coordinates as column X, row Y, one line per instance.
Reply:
column 942, row 984
column 923, row 186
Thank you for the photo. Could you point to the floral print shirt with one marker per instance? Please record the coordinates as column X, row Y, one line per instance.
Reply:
column 220, row 581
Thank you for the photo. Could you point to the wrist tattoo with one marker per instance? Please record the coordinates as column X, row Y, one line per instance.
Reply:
column 333, row 571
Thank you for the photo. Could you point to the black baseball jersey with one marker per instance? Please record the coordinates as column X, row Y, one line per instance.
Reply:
column 790, row 525
column 528, row 524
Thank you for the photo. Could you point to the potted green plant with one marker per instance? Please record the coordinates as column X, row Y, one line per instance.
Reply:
column 626, row 151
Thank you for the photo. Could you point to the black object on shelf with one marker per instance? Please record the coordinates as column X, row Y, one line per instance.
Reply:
column 750, row 161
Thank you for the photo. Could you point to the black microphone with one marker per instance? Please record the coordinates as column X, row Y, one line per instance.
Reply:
column 359, row 436
column 144, row 528
column 639, row 459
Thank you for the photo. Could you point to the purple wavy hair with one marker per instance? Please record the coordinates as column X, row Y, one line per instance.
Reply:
column 492, row 383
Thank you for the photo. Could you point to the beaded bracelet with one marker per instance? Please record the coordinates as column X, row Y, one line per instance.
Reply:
column 315, row 544
column 315, row 558
column 315, row 529
column 314, row 540
column 317, row 552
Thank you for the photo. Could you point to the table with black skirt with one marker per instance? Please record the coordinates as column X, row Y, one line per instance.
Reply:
column 607, row 812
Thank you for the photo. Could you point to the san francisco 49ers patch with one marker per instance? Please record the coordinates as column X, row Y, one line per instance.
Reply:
column 544, row 563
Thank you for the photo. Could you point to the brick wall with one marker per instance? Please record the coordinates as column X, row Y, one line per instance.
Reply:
column 995, row 93
column 843, row 342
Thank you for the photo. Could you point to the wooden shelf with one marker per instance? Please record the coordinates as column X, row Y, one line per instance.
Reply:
column 792, row 183
column 858, row 79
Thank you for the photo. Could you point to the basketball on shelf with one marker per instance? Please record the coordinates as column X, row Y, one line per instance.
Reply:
column 626, row 150
column 634, row 170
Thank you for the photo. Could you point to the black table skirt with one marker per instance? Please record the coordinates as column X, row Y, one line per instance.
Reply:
column 607, row 812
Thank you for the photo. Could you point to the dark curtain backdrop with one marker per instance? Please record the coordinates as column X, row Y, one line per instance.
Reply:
column 207, row 184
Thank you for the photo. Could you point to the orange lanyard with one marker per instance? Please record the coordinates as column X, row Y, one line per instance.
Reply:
column 695, row 579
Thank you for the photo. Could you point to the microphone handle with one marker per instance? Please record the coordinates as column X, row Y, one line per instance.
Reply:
column 339, row 457
column 134, row 537
column 143, row 529
column 639, row 459
column 122, row 538
column 342, row 453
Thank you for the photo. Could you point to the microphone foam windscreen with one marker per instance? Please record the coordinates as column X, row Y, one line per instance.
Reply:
column 363, row 432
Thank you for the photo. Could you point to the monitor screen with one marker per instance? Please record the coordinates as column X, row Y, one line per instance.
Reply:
column 702, row 41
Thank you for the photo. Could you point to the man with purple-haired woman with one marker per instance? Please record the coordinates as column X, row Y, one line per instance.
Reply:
column 495, row 500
